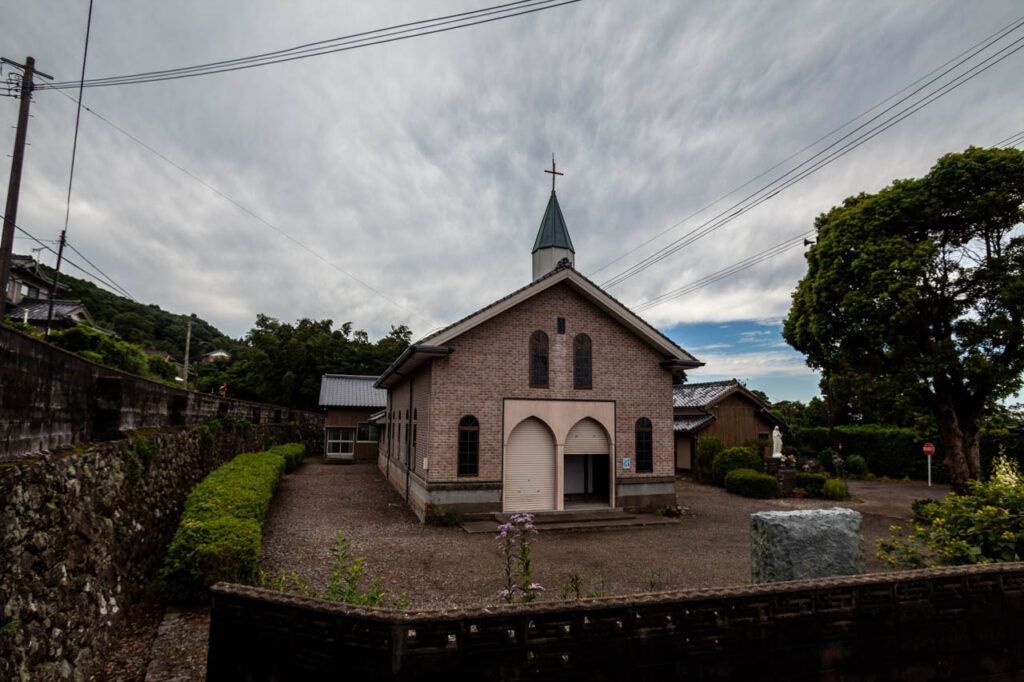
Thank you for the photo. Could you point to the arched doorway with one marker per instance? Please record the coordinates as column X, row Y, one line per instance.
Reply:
column 528, row 483
column 587, row 465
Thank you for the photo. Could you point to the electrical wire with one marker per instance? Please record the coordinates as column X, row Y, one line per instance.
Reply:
column 998, row 34
column 248, row 211
column 773, row 188
column 102, row 276
column 353, row 41
column 1011, row 141
column 733, row 269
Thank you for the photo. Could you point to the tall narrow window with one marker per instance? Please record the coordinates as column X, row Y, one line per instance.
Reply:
column 539, row 360
column 644, row 454
column 469, row 446
column 582, row 357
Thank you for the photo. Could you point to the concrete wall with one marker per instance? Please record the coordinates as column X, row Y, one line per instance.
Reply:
column 51, row 400
column 964, row 623
column 81, row 533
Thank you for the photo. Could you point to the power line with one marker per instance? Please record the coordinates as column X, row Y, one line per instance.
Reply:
column 353, row 41
column 246, row 210
column 998, row 34
column 773, row 188
column 1010, row 141
column 733, row 269
column 101, row 276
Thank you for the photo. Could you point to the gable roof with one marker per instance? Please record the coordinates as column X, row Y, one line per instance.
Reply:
column 553, row 232
column 703, row 394
column 595, row 294
column 39, row 309
column 351, row 390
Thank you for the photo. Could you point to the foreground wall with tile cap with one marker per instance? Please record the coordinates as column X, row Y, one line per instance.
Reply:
column 951, row 623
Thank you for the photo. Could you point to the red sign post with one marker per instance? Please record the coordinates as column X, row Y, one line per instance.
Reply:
column 929, row 450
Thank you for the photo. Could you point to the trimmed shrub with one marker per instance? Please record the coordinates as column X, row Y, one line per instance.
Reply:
column 734, row 458
column 293, row 454
column 751, row 483
column 835, row 489
column 219, row 535
column 708, row 448
column 856, row 465
column 811, row 483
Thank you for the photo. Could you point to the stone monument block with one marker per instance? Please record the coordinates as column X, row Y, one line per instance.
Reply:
column 809, row 543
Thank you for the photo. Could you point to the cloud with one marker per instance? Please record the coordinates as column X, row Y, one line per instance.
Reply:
column 416, row 166
column 752, row 365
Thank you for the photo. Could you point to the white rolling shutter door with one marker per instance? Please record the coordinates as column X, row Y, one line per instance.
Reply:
column 586, row 438
column 529, row 483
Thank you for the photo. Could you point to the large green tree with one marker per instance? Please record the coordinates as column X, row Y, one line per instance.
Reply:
column 918, row 291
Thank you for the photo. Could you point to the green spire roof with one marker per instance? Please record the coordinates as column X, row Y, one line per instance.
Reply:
column 553, row 232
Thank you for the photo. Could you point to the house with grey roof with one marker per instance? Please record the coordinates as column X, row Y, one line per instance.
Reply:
column 719, row 409
column 350, row 402
column 28, row 298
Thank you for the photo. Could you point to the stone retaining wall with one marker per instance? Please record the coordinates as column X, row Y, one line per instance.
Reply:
column 82, row 531
column 962, row 623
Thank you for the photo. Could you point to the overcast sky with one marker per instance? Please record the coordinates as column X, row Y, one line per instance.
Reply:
column 417, row 166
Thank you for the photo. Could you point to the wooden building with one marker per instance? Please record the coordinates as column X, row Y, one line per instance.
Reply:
column 720, row 409
column 350, row 401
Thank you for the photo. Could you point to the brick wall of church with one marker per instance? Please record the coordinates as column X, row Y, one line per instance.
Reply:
column 491, row 362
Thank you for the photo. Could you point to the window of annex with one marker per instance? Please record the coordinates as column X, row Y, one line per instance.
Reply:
column 538, row 360
column 582, row 362
column 341, row 440
column 367, row 432
column 644, row 452
column 469, row 446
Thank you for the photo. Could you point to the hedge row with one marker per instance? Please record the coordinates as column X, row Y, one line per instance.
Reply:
column 896, row 453
column 219, row 535
column 734, row 458
column 751, row 483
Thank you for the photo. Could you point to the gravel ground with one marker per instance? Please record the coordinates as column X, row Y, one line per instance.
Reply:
column 445, row 567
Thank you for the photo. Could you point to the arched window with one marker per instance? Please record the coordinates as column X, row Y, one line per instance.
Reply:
column 582, row 356
column 539, row 360
column 644, row 453
column 469, row 446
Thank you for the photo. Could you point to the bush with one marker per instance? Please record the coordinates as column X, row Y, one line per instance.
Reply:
column 219, row 535
column 835, row 489
column 751, row 483
column 293, row 454
column 983, row 527
column 811, row 483
column 708, row 448
column 856, row 465
column 734, row 458
column 891, row 451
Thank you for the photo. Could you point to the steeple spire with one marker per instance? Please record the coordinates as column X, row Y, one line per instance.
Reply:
column 553, row 243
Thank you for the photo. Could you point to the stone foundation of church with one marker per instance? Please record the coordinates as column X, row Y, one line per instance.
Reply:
column 645, row 495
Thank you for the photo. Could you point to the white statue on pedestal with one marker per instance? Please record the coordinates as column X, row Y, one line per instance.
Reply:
column 776, row 442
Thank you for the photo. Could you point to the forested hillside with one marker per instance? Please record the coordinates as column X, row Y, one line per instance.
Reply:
column 276, row 362
column 145, row 325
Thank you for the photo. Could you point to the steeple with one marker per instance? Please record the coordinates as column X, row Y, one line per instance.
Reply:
column 553, row 242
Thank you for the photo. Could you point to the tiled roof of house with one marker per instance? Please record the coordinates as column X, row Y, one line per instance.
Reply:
column 39, row 309
column 351, row 390
column 701, row 395
column 688, row 423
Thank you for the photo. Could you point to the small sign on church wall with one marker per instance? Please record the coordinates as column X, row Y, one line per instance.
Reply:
column 626, row 462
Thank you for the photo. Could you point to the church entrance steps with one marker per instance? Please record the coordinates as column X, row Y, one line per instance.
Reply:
column 572, row 519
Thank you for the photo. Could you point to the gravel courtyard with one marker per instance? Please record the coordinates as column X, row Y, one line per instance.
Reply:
column 446, row 567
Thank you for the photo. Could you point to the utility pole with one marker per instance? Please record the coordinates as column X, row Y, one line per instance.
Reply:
column 14, row 185
column 188, row 341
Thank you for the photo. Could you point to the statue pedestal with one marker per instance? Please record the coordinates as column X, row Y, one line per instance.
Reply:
column 784, row 471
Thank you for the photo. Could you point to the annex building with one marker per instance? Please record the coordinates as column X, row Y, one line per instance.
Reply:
column 553, row 397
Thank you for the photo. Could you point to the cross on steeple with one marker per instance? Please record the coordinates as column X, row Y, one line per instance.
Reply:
column 553, row 173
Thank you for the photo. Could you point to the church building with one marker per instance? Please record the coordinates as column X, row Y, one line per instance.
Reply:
column 554, row 397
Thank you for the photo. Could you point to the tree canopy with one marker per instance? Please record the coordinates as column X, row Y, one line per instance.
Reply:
column 916, row 293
